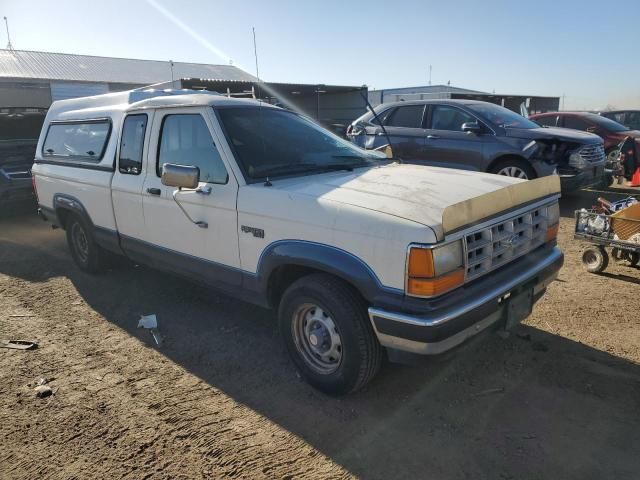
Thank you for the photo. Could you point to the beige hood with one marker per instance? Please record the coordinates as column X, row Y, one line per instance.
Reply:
column 440, row 198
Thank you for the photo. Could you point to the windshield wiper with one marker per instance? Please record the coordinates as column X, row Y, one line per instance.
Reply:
column 283, row 168
column 302, row 168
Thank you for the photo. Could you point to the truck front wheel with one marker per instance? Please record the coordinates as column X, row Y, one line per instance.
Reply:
column 85, row 251
column 325, row 327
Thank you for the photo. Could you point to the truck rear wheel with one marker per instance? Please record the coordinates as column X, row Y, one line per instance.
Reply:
column 325, row 327
column 87, row 254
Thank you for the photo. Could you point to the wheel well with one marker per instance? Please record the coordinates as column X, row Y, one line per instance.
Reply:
column 63, row 216
column 283, row 276
column 504, row 158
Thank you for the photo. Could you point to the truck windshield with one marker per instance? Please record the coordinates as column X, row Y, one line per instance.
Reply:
column 501, row 117
column 270, row 142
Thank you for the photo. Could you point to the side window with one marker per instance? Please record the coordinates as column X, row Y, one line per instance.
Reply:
column 575, row 122
column 382, row 116
column 449, row 118
column 77, row 141
column 185, row 140
column 132, row 144
column 618, row 117
column 547, row 121
column 409, row 116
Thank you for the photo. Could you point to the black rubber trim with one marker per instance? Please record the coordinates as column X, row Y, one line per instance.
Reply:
column 439, row 332
column 86, row 166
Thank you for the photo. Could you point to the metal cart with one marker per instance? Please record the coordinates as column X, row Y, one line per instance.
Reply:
column 619, row 231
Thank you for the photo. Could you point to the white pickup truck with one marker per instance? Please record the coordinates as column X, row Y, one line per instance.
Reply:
column 355, row 252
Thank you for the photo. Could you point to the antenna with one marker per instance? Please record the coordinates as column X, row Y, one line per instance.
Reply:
column 6, row 24
column 255, row 52
column 430, row 74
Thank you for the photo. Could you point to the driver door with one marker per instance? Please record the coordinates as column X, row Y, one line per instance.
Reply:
column 446, row 145
column 185, row 136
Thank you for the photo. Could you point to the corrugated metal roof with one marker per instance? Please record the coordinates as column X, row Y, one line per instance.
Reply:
column 87, row 68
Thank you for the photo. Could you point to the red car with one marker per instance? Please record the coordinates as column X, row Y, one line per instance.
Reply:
column 612, row 132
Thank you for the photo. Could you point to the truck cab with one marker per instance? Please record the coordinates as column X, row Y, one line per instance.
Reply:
column 357, row 253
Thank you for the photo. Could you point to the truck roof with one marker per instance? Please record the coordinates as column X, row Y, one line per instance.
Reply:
column 118, row 103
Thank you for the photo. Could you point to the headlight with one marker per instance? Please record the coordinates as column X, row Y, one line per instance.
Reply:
column 434, row 271
column 577, row 161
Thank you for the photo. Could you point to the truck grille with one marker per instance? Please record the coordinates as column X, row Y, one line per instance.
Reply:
column 503, row 242
column 592, row 153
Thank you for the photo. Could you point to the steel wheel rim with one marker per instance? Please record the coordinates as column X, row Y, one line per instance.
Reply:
column 80, row 242
column 513, row 171
column 317, row 339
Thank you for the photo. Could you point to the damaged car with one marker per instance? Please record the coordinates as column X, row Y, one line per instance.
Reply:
column 19, row 131
column 481, row 136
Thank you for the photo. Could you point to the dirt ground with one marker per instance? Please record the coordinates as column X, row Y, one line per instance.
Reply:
column 221, row 399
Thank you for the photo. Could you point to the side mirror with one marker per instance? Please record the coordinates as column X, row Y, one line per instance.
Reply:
column 181, row 176
column 472, row 127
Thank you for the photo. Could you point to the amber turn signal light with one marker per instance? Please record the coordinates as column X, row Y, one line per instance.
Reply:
column 421, row 263
column 552, row 233
column 429, row 287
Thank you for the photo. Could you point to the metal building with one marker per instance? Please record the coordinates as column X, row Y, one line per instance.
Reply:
column 33, row 80
column 532, row 103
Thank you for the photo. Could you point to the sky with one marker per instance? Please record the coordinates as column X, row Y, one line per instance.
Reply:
column 583, row 51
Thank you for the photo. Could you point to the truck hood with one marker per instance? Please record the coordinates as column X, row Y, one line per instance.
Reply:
column 564, row 134
column 412, row 192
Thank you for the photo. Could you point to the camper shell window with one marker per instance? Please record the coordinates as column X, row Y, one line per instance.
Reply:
column 81, row 141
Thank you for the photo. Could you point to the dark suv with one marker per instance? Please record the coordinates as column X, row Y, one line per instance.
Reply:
column 473, row 135
column 628, row 118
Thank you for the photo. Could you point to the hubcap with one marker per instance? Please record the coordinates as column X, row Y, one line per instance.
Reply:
column 80, row 242
column 513, row 171
column 317, row 338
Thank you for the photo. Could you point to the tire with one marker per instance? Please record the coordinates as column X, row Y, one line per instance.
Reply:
column 513, row 167
column 595, row 259
column 620, row 256
column 324, row 324
column 86, row 253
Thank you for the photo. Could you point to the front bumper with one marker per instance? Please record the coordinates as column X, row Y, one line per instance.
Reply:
column 584, row 178
column 440, row 330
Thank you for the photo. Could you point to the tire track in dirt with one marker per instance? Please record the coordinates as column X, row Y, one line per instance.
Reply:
column 125, row 413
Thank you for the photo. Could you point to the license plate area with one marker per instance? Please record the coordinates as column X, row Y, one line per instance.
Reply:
column 519, row 307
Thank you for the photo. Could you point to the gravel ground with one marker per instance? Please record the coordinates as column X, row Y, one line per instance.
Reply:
column 221, row 399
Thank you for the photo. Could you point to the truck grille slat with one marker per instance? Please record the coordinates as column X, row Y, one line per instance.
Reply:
column 498, row 244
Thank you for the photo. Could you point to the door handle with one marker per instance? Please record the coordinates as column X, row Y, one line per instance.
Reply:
column 433, row 137
column 154, row 191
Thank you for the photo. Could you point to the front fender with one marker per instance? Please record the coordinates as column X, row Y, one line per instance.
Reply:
column 324, row 258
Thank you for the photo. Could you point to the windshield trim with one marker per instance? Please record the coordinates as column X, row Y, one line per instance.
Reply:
column 250, row 180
